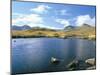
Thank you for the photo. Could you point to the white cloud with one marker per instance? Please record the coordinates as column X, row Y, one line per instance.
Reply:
column 17, row 15
column 44, row 26
column 85, row 19
column 30, row 20
column 63, row 22
column 64, row 12
column 40, row 9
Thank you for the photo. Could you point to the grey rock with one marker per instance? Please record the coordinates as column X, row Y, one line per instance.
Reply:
column 91, row 61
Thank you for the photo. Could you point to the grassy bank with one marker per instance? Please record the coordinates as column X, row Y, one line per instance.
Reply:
column 84, row 32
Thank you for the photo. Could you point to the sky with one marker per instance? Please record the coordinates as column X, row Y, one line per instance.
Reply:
column 51, row 15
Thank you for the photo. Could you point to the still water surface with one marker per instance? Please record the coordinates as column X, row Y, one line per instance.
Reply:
column 31, row 55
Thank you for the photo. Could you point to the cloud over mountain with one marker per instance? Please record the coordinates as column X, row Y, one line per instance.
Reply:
column 85, row 19
column 52, row 15
column 30, row 19
column 63, row 22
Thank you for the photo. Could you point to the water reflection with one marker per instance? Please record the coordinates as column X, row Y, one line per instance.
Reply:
column 34, row 55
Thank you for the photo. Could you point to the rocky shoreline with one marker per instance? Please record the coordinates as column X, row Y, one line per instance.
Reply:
column 88, row 64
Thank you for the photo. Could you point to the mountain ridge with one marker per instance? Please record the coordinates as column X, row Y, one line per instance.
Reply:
column 83, row 31
column 24, row 27
column 67, row 28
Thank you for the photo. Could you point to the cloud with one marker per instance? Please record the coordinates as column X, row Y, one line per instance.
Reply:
column 17, row 14
column 85, row 19
column 44, row 26
column 29, row 19
column 33, row 20
column 41, row 9
column 63, row 22
column 64, row 12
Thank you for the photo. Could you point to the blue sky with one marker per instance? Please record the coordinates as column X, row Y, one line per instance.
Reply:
column 50, row 15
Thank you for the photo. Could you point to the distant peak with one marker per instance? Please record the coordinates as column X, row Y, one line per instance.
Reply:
column 86, row 25
column 69, row 27
column 26, row 25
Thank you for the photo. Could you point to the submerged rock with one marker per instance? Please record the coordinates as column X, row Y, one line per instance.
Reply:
column 91, row 61
column 91, row 68
column 14, row 40
column 72, row 65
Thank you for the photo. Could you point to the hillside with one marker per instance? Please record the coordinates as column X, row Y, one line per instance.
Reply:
column 84, row 31
column 68, row 28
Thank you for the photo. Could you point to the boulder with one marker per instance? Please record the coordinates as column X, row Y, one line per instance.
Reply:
column 91, row 61
column 54, row 60
column 72, row 65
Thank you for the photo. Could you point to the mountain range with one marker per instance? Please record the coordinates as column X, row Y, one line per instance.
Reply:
column 24, row 27
column 83, row 31
column 67, row 28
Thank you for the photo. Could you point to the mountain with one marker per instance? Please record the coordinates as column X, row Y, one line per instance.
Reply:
column 86, row 25
column 24, row 27
column 67, row 28
column 83, row 30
